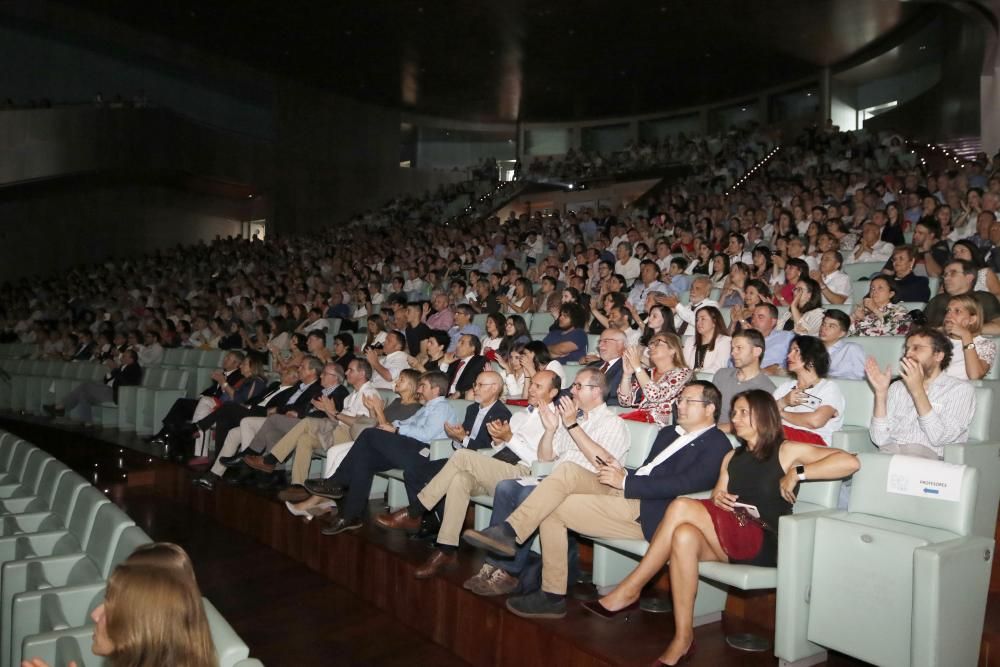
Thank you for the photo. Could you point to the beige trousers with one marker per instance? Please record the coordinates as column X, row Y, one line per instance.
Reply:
column 565, row 480
column 309, row 435
column 610, row 516
column 465, row 475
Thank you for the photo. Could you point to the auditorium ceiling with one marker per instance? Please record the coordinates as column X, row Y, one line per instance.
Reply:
column 533, row 60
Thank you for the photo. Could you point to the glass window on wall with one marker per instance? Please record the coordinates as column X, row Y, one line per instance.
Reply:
column 546, row 141
column 734, row 116
column 605, row 139
column 654, row 131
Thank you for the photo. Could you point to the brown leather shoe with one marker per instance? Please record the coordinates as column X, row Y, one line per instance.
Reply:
column 438, row 562
column 293, row 494
column 257, row 462
column 398, row 520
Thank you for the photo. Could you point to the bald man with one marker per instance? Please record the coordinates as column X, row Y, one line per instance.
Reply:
column 515, row 446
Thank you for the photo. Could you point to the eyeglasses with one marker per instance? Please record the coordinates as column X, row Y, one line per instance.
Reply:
column 480, row 385
column 682, row 400
column 656, row 343
column 578, row 386
column 953, row 272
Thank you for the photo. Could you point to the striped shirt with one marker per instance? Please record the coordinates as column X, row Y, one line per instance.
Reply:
column 953, row 404
column 604, row 427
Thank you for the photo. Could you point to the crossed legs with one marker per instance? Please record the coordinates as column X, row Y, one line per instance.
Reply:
column 685, row 537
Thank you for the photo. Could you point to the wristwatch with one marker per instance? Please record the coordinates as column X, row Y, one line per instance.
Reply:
column 970, row 346
column 800, row 472
column 572, row 426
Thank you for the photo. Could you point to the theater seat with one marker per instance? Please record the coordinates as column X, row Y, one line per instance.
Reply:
column 896, row 579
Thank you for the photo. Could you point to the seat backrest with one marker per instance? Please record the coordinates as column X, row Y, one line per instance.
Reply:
column 641, row 438
column 870, row 495
column 49, row 481
column 35, row 470
column 9, row 444
column 173, row 356
column 540, row 323
column 569, row 372
column 979, row 427
column 174, row 378
column 81, row 521
column 211, row 358
column 151, row 377
column 885, row 349
column 458, row 406
column 20, row 459
column 102, row 541
column 859, row 402
column 66, row 495
column 859, row 270
column 229, row 647
column 131, row 539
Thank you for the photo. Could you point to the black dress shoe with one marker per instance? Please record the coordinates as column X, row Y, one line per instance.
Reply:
column 206, row 482
column 428, row 530
column 236, row 459
column 340, row 524
column 325, row 489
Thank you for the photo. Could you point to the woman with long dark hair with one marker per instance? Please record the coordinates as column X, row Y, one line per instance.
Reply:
column 757, row 485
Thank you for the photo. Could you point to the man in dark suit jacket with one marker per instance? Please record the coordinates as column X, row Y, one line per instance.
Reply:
column 180, row 413
column 609, row 350
column 468, row 364
column 88, row 394
column 684, row 459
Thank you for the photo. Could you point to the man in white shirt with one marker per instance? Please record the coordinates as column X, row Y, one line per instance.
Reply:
column 737, row 250
column 320, row 433
column 684, row 313
column 617, row 503
column 834, row 284
column 387, row 368
column 468, row 473
column 151, row 353
column 648, row 282
column 870, row 248
column 579, row 446
column 626, row 265
column 927, row 408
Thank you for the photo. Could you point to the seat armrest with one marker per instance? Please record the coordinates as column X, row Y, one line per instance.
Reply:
column 951, row 582
column 797, row 534
column 441, row 449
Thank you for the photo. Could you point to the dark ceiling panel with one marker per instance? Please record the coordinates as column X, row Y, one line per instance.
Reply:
column 557, row 60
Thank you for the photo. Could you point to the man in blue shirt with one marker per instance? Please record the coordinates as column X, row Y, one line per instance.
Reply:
column 568, row 342
column 776, row 341
column 402, row 444
column 847, row 360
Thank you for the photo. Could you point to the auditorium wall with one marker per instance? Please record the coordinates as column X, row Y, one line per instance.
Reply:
column 44, row 233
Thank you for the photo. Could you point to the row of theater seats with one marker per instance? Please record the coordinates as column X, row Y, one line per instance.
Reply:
column 60, row 539
column 942, row 537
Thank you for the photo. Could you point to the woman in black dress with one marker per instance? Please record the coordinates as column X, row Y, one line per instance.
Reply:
column 764, row 473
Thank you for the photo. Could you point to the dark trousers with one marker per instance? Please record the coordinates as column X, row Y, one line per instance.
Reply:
column 507, row 497
column 227, row 417
column 180, row 414
column 374, row 451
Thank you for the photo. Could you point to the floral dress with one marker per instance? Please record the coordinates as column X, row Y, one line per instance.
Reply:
column 894, row 320
column 658, row 397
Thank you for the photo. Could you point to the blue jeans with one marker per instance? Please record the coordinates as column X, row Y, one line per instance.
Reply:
column 507, row 496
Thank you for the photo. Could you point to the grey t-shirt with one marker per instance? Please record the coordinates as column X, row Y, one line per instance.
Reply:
column 726, row 382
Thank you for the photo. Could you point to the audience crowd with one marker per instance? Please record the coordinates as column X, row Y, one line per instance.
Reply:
column 744, row 285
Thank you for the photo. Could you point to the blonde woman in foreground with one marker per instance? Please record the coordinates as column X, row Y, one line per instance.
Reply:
column 152, row 614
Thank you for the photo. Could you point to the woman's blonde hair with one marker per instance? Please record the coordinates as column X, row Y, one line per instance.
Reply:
column 154, row 611
column 674, row 342
column 972, row 307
